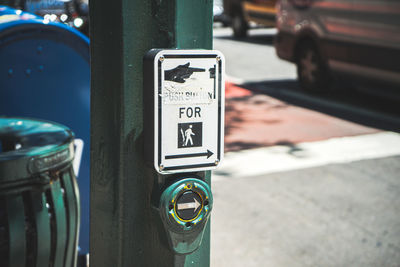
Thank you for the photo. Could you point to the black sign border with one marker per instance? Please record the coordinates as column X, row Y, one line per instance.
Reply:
column 193, row 166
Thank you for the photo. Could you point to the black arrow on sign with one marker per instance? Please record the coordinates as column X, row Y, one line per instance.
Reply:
column 208, row 154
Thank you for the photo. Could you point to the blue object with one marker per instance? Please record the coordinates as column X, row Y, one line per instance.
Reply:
column 45, row 74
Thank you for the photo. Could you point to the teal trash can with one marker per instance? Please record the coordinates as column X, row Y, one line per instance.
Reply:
column 39, row 197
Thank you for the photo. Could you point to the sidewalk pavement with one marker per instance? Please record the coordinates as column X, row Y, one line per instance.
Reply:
column 300, row 188
column 257, row 120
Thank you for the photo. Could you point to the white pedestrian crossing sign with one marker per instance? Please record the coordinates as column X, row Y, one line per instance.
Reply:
column 188, row 110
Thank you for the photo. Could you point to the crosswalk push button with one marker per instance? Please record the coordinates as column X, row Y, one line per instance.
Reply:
column 188, row 205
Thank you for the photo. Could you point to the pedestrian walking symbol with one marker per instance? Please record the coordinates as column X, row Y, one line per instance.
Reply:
column 187, row 136
column 190, row 134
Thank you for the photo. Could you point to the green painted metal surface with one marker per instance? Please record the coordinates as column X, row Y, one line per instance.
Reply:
column 44, row 146
column 16, row 217
column 125, row 229
column 38, row 194
column 193, row 24
column 72, row 203
column 60, row 222
column 201, row 257
column 43, row 228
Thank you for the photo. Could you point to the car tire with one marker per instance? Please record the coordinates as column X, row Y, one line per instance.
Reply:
column 225, row 23
column 239, row 26
column 312, row 72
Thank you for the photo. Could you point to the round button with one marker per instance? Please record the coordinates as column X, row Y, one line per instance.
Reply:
column 188, row 205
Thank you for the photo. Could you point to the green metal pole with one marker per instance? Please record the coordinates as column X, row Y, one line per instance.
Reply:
column 124, row 230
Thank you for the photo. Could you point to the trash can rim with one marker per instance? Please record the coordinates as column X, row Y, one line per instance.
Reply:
column 40, row 146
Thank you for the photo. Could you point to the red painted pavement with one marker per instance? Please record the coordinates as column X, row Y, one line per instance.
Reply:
column 255, row 120
column 232, row 90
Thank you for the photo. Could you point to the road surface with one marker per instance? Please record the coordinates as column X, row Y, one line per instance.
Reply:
column 308, row 180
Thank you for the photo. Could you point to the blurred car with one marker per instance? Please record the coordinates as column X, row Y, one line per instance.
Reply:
column 219, row 14
column 355, row 40
column 74, row 13
column 244, row 12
